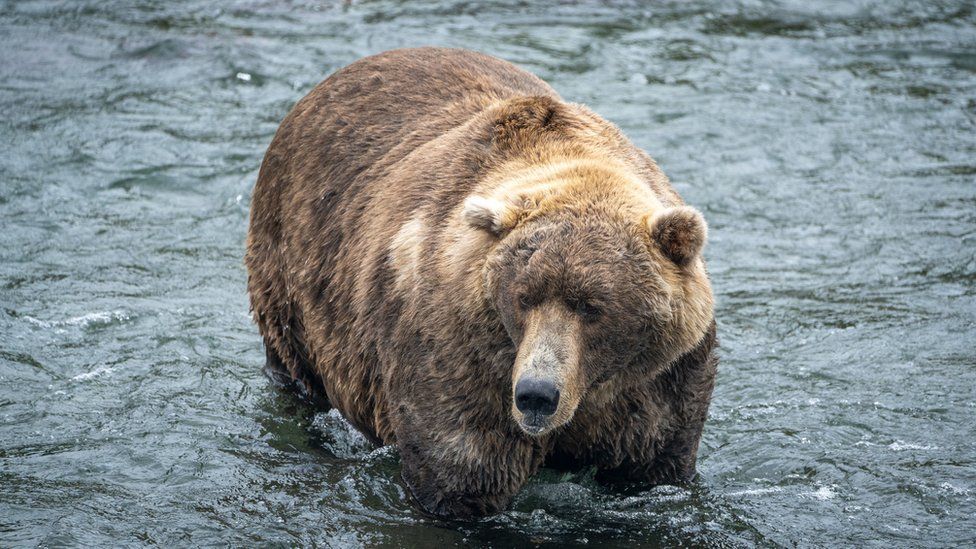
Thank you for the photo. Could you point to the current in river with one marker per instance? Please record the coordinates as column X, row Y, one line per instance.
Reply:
column 830, row 145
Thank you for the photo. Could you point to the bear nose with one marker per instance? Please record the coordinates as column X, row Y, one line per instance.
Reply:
column 537, row 396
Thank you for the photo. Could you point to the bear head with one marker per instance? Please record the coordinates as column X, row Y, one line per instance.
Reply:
column 589, row 290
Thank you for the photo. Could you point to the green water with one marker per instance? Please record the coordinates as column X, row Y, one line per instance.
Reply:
column 831, row 146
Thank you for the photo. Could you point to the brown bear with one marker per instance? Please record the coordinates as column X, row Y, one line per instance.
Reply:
column 486, row 276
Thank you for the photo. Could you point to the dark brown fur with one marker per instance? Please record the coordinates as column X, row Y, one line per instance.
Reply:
column 372, row 285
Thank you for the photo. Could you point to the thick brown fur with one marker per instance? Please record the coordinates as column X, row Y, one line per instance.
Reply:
column 428, row 223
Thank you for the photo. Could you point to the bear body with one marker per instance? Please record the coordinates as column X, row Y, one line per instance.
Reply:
column 491, row 278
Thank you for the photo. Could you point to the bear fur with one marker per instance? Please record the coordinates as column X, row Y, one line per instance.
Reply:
column 429, row 226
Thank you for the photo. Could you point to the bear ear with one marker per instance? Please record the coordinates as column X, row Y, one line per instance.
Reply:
column 487, row 214
column 679, row 233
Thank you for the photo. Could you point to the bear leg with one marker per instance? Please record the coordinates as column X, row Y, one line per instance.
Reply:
column 307, row 386
column 669, row 457
column 462, row 469
column 672, row 463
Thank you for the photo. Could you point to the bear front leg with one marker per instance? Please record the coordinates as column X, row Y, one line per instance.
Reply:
column 462, row 469
column 659, row 445
column 672, row 462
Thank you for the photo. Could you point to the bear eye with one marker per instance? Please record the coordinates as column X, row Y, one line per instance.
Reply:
column 524, row 301
column 586, row 309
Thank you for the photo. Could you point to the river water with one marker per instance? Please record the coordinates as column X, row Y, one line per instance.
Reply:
column 831, row 146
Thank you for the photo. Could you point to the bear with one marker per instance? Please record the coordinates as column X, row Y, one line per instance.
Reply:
column 484, row 275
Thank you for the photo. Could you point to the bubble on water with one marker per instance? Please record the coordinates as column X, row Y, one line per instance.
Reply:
column 756, row 491
column 900, row 445
column 100, row 318
column 101, row 370
column 824, row 493
column 950, row 488
column 382, row 452
column 340, row 438
column 649, row 500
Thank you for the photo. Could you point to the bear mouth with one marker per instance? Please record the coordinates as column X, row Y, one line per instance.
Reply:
column 534, row 424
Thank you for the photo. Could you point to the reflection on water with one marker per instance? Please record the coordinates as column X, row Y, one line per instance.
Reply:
column 830, row 144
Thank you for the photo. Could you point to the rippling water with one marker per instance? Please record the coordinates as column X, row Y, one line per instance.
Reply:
column 831, row 146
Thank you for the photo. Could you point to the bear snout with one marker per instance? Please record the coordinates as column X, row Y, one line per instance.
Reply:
column 536, row 397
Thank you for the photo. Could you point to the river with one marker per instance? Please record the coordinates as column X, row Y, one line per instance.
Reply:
column 830, row 145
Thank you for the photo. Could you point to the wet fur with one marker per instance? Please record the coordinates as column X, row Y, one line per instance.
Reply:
column 376, row 285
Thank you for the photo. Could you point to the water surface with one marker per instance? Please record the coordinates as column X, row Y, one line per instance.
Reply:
column 831, row 146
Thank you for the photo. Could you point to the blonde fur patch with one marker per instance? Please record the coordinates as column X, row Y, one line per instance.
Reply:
column 406, row 252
